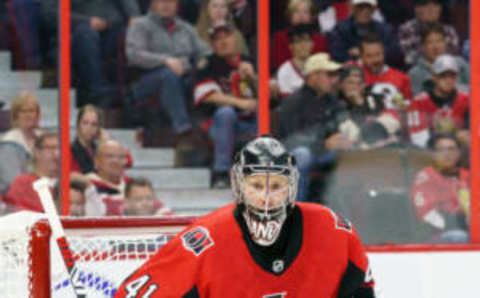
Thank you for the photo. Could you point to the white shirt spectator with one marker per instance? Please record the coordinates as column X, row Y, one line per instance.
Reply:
column 289, row 78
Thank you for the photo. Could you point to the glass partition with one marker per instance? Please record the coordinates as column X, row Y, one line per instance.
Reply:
column 163, row 93
column 374, row 103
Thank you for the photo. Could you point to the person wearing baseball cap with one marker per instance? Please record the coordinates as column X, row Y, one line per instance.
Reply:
column 445, row 63
column 345, row 38
column 434, row 44
column 221, row 27
column 310, row 120
column 442, row 103
column 321, row 62
column 368, row 2
column 426, row 12
column 225, row 92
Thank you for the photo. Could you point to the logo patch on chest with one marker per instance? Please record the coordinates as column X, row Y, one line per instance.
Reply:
column 278, row 266
column 197, row 240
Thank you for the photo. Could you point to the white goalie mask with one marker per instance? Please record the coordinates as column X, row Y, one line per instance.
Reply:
column 264, row 180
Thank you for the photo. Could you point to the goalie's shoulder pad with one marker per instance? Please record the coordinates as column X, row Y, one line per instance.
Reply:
column 197, row 240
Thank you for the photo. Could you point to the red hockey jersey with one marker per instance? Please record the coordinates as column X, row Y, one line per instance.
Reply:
column 212, row 258
column 432, row 191
column 392, row 76
column 423, row 112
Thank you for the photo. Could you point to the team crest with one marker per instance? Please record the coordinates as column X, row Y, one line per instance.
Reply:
column 276, row 295
column 197, row 240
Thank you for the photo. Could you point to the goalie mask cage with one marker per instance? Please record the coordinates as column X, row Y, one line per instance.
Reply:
column 106, row 250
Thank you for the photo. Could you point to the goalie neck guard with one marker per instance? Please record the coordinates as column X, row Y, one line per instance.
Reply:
column 264, row 181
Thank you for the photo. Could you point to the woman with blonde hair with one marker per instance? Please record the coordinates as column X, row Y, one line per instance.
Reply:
column 216, row 12
column 24, row 121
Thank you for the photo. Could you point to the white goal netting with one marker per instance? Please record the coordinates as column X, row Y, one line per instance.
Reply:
column 104, row 256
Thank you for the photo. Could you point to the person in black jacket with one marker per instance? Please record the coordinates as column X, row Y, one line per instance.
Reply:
column 313, row 123
column 344, row 40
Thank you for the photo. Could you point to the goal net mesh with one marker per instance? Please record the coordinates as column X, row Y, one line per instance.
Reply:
column 104, row 258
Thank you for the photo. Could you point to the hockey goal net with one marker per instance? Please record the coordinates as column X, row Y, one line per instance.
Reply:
column 106, row 250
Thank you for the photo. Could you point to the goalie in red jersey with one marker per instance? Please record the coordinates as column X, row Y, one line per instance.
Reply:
column 264, row 245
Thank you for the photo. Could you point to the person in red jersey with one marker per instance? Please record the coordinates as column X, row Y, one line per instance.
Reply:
column 442, row 108
column 46, row 159
column 372, row 59
column 264, row 245
column 441, row 192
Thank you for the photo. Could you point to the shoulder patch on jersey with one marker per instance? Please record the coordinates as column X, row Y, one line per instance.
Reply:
column 341, row 223
column 197, row 240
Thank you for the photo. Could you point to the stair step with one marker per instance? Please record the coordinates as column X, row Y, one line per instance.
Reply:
column 152, row 157
column 30, row 80
column 125, row 136
column 50, row 115
column 5, row 60
column 176, row 178
column 46, row 96
column 203, row 198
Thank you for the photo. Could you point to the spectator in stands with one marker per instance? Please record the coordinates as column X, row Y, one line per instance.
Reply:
column 24, row 119
column 140, row 199
column 217, row 12
column 89, row 134
column 27, row 21
column 4, row 24
column 21, row 195
column 426, row 12
column 333, row 12
column 313, row 123
column 78, row 188
column 16, row 146
column 298, row 12
column 77, row 197
column 98, row 30
column 290, row 74
column 15, row 161
column 165, row 48
column 225, row 91
column 396, row 12
column 377, row 122
column 245, row 19
column 441, row 192
column 344, row 40
column 442, row 108
column 372, row 59
column 108, row 179
column 434, row 44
